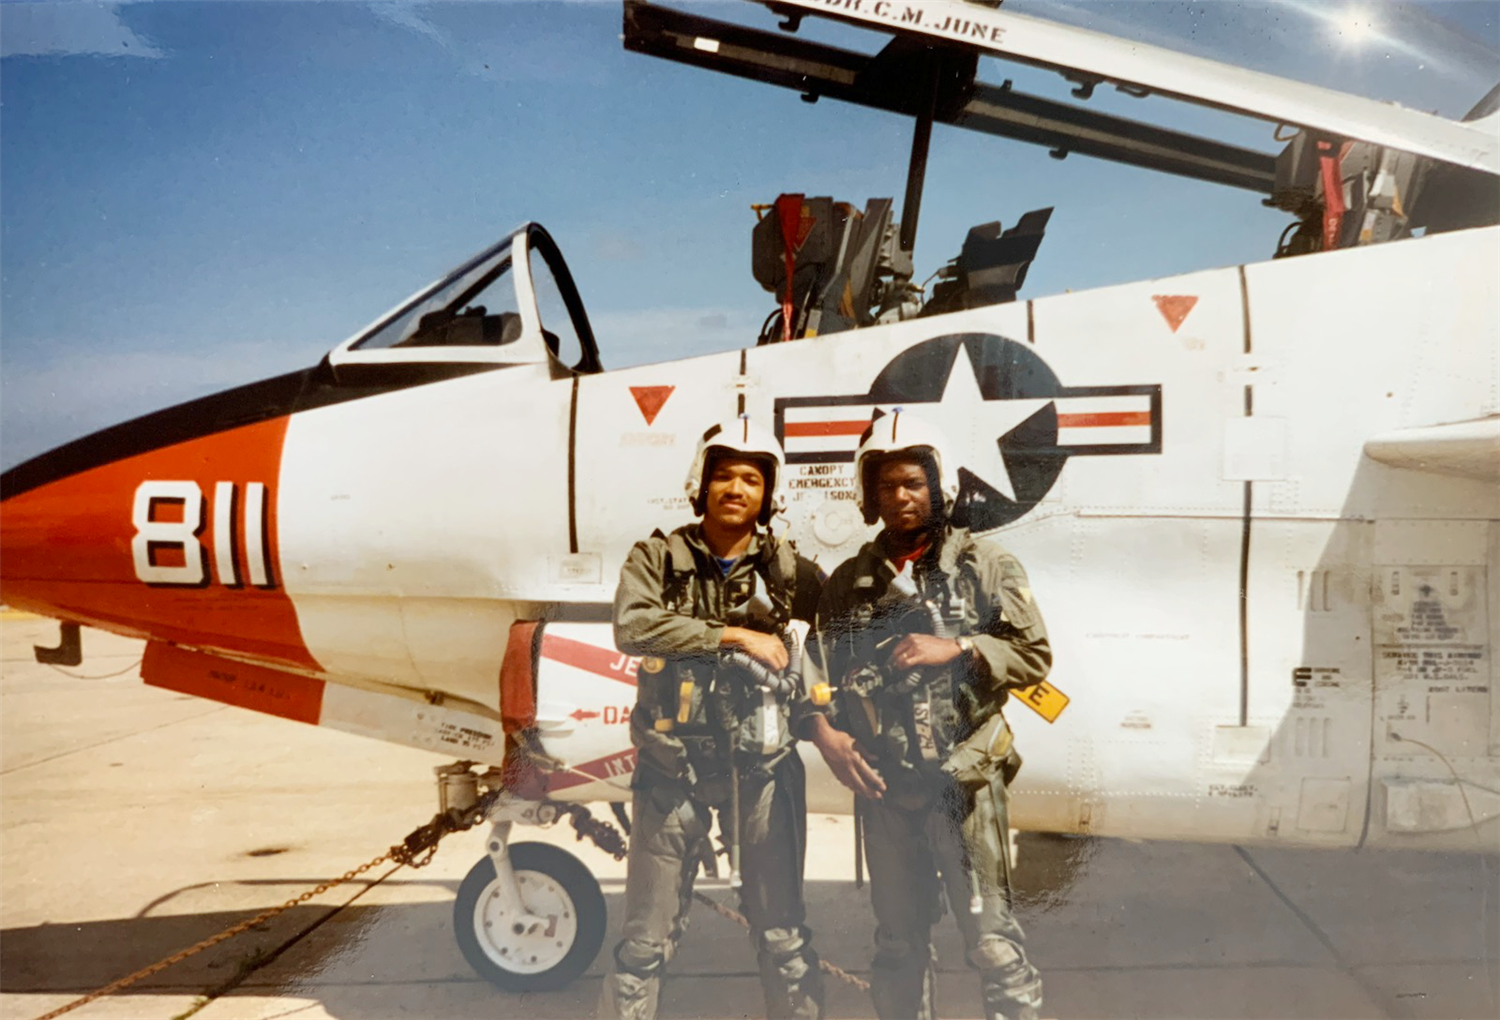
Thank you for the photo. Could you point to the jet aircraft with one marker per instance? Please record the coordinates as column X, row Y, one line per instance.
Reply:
column 1260, row 504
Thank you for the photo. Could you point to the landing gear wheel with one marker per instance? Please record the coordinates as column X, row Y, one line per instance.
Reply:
column 554, row 885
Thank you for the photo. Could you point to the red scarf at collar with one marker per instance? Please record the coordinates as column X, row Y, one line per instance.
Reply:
column 900, row 561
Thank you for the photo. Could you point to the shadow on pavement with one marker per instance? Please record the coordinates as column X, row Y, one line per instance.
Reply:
column 1118, row 929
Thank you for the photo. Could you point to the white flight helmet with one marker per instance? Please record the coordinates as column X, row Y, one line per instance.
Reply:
column 899, row 432
column 737, row 436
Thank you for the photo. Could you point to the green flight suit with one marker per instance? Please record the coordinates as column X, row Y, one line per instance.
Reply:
column 672, row 605
column 942, row 747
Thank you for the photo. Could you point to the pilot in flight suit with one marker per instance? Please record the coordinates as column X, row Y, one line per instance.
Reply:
column 707, row 606
column 920, row 636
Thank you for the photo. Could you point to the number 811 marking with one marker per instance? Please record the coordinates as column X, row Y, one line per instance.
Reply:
column 168, row 547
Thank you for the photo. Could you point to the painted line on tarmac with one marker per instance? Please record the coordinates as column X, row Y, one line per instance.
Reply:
column 1377, row 999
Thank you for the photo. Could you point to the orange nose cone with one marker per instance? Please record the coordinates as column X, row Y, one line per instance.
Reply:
column 176, row 543
column 65, row 543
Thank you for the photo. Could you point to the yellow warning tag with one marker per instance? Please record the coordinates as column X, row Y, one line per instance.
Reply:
column 1043, row 699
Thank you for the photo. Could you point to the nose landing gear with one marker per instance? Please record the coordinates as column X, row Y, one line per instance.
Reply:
column 536, row 932
column 529, row 917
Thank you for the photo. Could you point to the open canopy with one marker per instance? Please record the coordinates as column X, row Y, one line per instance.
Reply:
column 513, row 303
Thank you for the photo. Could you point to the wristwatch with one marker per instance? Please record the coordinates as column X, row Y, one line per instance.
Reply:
column 965, row 645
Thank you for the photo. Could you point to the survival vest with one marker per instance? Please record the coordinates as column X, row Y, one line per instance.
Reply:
column 700, row 703
column 911, row 722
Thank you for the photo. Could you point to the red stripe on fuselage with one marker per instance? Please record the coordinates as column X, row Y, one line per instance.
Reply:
column 612, row 766
column 605, row 662
column 1074, row 421
column 795, row 429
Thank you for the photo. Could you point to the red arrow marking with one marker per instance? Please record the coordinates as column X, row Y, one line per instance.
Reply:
column 1174, row 307
column 582, row 714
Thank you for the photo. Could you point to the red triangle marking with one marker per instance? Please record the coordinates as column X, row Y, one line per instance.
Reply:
column 650, row 400
column 1174, row 307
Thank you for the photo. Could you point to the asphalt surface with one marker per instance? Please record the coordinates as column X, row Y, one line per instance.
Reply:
column 135, row 822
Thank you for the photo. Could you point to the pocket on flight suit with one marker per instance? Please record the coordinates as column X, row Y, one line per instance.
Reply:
column 976, row 762
column 1015, row 601
column 1010, row 766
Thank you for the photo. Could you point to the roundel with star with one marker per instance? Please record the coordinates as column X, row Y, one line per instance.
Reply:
column 1013, row 421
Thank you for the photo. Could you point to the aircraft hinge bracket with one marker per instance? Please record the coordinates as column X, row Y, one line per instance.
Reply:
column 69, row 650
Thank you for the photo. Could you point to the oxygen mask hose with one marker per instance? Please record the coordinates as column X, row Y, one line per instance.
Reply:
column 758, row 613
column 912, row 679
column 939, row 624
column 779, row 684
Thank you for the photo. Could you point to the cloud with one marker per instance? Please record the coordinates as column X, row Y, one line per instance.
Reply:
column 409, row 15
column 546, row 54
column 71, row 29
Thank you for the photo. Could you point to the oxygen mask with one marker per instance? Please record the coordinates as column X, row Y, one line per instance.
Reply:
column 756, row 613
column 904, row 584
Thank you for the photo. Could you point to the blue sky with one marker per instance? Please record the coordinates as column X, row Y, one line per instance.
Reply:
column 195, row 195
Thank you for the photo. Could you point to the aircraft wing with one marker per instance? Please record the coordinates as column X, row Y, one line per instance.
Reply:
column 1469, row 449
column 1095, row 55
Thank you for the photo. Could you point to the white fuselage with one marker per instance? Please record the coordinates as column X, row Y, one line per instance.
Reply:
column 414, row 527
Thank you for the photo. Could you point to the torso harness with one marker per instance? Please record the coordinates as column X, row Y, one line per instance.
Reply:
column 911, row 722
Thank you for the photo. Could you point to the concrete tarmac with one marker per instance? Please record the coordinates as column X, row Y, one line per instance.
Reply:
column 135, row 822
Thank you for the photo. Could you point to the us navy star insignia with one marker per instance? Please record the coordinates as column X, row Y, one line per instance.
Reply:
column 1012, row 424
column 979, row 426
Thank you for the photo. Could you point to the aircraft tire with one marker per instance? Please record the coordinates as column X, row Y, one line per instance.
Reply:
column 553, row 884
